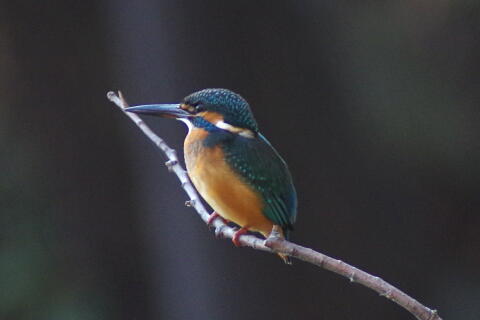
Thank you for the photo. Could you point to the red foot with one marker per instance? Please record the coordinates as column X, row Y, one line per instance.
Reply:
column 237, row 235
column 214, row 216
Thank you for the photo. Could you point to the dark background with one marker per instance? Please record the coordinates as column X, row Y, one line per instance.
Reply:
column 375, row 107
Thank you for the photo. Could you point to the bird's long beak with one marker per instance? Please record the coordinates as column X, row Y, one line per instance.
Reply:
column 161, row 110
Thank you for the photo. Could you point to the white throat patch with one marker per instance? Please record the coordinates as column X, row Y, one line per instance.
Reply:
column 187, row 122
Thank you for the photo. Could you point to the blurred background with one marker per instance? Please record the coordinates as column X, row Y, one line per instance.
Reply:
column 374, row 106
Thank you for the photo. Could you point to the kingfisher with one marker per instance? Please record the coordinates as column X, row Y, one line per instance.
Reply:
column 232, row 165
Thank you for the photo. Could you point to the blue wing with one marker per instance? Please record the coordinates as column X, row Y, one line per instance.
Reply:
column 260, row 165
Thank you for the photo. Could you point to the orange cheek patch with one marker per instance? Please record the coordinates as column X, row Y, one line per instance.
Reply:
column 212, row 117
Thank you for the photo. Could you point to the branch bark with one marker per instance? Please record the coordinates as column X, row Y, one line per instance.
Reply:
column 273, row 244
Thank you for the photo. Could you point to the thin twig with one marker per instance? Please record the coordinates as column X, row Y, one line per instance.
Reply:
column 277, row 245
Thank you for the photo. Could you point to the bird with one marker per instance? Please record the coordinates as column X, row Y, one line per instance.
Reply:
column 233, row 166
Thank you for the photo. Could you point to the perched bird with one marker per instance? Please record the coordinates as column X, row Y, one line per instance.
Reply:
column 232, row 165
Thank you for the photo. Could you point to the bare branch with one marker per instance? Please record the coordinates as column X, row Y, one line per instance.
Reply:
column 274, row 244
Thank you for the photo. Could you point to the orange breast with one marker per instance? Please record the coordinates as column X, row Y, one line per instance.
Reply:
column 221, row 187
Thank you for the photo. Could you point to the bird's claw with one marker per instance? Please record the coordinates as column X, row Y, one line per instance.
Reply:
column 213, row 216
column 237, row 235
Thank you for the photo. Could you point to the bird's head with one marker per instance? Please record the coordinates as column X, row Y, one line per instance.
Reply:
column 220, row 108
